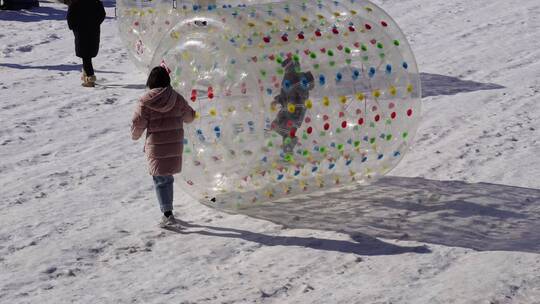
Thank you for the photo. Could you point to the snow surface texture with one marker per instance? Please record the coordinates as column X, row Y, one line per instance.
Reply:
column 78, row 213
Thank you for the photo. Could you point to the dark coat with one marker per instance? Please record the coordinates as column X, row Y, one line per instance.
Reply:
column 84, row 18
column 295, row 89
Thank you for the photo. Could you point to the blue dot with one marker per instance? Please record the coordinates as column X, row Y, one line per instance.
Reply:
column 280, row 177
column 356, row 74
column 405, row 65
column 322, row 80
column 372, row 72
column 314, row 169
column 348, row 162
column 364, row 159
column 339, row 76
column 331, row 166
column 397, row 153
column 269, row 91
column 388, row 68
column 380, row 156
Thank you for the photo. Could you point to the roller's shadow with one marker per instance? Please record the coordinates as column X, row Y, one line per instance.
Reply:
column 452, row 213
column 436, row 85
column 362, row 245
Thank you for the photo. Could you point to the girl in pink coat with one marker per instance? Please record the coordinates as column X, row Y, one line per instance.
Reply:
column 162, row 113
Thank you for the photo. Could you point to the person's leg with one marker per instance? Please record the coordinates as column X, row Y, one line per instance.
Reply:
column 164, row 191
column 87, row 66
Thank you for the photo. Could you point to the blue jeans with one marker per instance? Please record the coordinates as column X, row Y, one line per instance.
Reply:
column 164, row 191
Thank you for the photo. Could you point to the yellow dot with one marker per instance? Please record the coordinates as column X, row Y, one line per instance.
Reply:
column 309, row 104
column 304, row 19
column 353, row 12
column 337, row 14
column 197, row 115
column 410, row 88
column 343, row 99
column 376, row 93
column 291, row 107
column 213, row 112
column 393, row 91
column 251, row 24
column 360, row 96
column 320, row 16
column 326, row 101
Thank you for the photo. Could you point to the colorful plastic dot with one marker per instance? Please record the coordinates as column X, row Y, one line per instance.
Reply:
column 326, row 101
column 291, row 107
column 393, row 115
column 377, row 117
column 309, row 104
column 343, row 99
column 409, row 112
column 326, row 126
column 344, row 124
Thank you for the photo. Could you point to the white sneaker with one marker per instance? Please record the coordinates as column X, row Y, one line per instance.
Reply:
column 167, row 221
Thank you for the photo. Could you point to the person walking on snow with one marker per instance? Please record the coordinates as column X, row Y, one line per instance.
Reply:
column 162, row 113
column 84, row 18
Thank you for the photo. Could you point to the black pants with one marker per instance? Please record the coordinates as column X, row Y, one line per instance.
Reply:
column 87, row 66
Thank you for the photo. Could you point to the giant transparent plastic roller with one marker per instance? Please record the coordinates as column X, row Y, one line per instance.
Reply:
column 292, row 97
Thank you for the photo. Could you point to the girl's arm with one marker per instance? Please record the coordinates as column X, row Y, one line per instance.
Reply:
column 139, row 123
column 189, row 113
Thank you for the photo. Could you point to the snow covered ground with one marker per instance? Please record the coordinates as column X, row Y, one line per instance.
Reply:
column 458, row 221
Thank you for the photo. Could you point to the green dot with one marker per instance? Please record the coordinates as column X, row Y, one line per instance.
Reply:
column 364, row 47
column 296, row 58
column 304, row 136
column 313, row 55
column 405, row 134
column 305, row 153
column 357, row 144
column 389, row 137
column 330, row 53
column 380, row 45
column 348, row 61
column 270, row 144
column 263, row 73
column 388, row 121
column 280, row 71
column 338, row 130
column 365, row 58
column 382, row 55
column 347, row 50
column 287, row 141
column 332, row 63
column 288, row 157
column 316, row 66
column 340, row 147
column 322, row 149
column 372, row 140
column 279, row 60
column 396, row 42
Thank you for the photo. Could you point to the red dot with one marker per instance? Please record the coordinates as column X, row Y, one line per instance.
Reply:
column 309, row 130
column 358, row 111
column 308, row 119
column 409, row 112
column 300, row 36
column 361, row 121
column 325, row 117
column 318, row 33
column 285, row 38
column 377, row 117
column 335, row 31
column 341, row 114
column 326, row 126
column 289, row 123
column 292, row 133
column 266, row 39
column 210, row 95
column 393, row 115
column 351, row 28
column 344, row 124
column 368, row 27
column 374, row 108
column 383, row 23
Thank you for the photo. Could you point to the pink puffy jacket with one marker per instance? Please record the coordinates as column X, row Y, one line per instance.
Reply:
column 162, row 113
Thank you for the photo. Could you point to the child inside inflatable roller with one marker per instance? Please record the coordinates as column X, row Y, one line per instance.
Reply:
column 295, row 89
